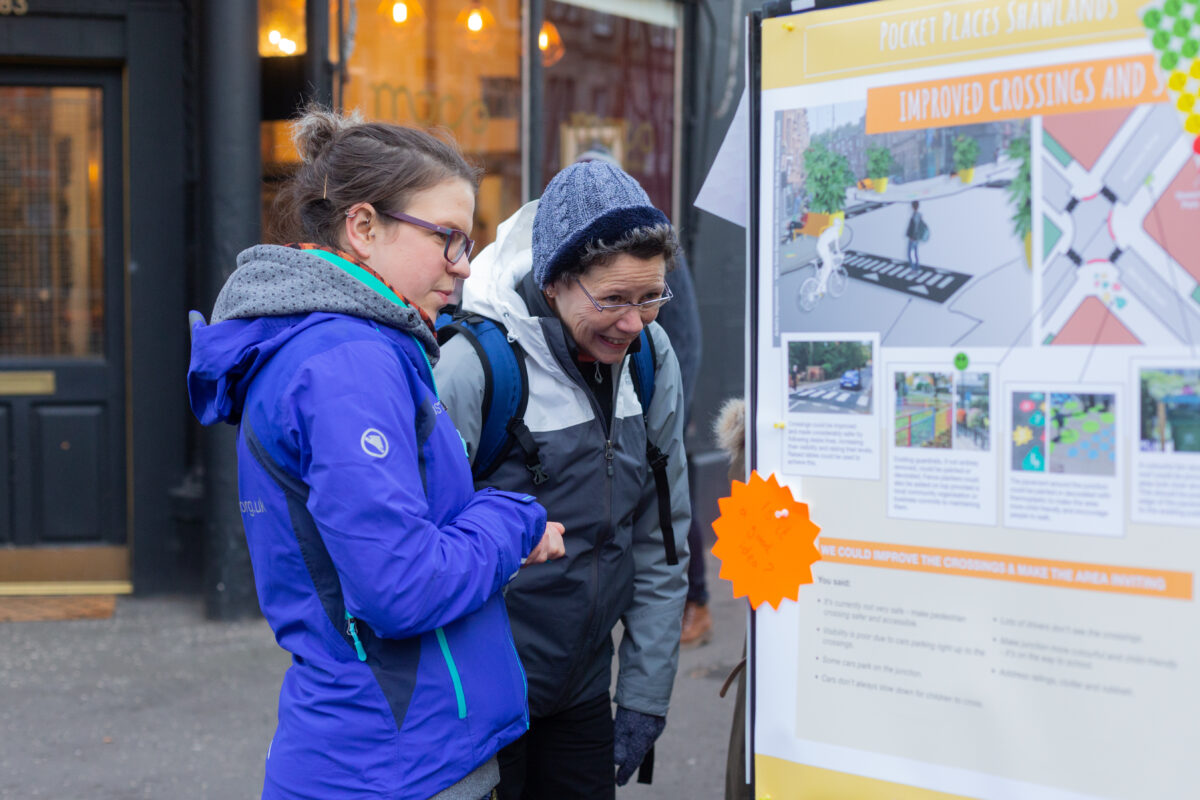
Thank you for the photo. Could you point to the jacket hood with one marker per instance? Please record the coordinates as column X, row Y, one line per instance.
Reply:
column 498, row 270
column 275, row 293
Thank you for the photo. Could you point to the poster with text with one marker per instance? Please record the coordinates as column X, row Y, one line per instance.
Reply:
column 978, row 276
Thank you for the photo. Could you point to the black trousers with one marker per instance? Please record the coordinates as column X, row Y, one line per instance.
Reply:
column 567, row 756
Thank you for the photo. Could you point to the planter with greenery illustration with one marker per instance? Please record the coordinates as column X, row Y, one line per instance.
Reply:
column 966, row 153
column 879, row 167
column 828, row 177
column 1020, row 194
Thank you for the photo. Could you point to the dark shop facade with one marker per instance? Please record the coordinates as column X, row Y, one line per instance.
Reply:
column 140, row 145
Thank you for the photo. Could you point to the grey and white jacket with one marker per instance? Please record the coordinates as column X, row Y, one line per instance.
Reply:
column 563, row 612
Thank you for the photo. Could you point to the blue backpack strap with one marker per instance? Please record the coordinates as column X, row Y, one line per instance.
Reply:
column 505, row 395
column 643, row 364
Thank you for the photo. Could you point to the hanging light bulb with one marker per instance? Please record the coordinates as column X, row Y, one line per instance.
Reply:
column 551, row 44
column 404, row 14
column 478, row 23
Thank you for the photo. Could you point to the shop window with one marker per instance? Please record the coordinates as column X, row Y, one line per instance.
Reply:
column 450, row 65
column 281, row 28
column 611, row 86
column 453, row 65
column 51, row 222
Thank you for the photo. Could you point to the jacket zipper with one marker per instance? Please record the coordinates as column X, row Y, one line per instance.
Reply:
column 352, row 632
column 458, row 690
column 524, row 680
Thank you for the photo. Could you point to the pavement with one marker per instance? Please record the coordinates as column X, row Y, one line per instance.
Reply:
column 158, row 702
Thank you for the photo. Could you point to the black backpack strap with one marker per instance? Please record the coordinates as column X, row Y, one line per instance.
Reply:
column 643, row 362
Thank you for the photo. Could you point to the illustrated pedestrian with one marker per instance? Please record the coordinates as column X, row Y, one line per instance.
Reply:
column 915, row 233
column 378, row 564
column 575, row 279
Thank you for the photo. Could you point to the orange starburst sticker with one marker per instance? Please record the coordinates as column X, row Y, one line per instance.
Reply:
column 765, row 541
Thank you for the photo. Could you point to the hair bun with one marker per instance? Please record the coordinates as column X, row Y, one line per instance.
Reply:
column 317, row 127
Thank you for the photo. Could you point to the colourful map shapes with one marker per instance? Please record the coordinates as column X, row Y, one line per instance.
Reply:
column 1092, row 323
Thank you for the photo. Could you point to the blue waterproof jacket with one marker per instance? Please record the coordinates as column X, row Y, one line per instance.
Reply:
column 377, row 564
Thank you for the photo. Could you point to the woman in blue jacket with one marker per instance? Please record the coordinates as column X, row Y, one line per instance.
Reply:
column 377, row 564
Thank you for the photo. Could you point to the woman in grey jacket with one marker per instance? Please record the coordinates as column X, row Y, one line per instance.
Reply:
column 574, row 279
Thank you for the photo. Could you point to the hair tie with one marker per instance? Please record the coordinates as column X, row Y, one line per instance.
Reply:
column 325, row 191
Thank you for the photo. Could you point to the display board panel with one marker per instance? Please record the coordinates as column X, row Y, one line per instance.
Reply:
column 977, row 311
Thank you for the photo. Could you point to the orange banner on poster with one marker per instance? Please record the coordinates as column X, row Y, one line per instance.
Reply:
column 1019, row 569
column 1015, row 94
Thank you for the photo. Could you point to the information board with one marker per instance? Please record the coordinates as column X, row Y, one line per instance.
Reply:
column 977, row 315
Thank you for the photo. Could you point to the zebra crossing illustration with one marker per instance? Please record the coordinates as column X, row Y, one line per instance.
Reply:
column 938, row 285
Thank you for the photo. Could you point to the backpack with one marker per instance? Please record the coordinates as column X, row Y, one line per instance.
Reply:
column 922, row 231
column 506, row 396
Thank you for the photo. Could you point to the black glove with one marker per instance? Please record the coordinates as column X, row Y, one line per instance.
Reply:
column 633, row 736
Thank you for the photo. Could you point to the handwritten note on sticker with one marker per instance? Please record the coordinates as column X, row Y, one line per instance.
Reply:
column 765, row 541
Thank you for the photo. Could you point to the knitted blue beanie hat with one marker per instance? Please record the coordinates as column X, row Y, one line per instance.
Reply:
column 585, row 202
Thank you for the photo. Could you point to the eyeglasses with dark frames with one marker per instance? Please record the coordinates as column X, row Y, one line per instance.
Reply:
column 458, row 244
column 645, row 307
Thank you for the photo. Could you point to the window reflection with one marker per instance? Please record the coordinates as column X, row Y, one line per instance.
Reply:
column 51, row 223
column 612, row 91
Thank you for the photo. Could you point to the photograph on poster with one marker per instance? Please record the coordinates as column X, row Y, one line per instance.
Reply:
column 871, row 230
column 1029, row 431
column 1082, row 434
column 1170, row 410
column 972, row 411
column 1117, row 199
column 940, row 468
column 924, row 410
column 829, row 377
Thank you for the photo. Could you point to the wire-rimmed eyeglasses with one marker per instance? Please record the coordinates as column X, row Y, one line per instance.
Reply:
column 645, row 307
column 458, row 244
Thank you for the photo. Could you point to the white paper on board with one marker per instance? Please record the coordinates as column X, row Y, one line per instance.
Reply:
column 724, row 191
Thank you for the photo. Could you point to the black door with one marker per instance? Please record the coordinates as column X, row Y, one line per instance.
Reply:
column 63, row 469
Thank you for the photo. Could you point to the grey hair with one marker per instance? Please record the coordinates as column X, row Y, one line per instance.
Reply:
column 645, row 242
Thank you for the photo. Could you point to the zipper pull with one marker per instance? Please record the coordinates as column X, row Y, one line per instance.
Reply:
column 352, row 629
column 608, row 456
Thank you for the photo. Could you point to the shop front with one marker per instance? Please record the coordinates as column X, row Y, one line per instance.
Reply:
column 141, row 145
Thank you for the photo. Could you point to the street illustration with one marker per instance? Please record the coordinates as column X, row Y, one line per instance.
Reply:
column 925, row 229
column 1118, row 197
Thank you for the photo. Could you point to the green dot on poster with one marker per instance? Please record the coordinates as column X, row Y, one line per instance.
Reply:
column 1172, row 7
column 1090, row 426
column 1108, row 418
column 1169, row 60
column 961, row 361
column 1182, row 26
column 1151, row 18
column 1070, row 436
column 1190, row 48
column 1071, row 407
column 1160, row 40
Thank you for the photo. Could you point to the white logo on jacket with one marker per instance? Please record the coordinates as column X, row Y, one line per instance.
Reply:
column 374, row 443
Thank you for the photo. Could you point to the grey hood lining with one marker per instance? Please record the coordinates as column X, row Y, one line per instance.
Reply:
column 277, row 281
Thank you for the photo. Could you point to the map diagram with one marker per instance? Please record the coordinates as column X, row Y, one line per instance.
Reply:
column 1119, row 199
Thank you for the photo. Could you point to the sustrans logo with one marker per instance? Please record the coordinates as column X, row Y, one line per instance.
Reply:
column 374, row 443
